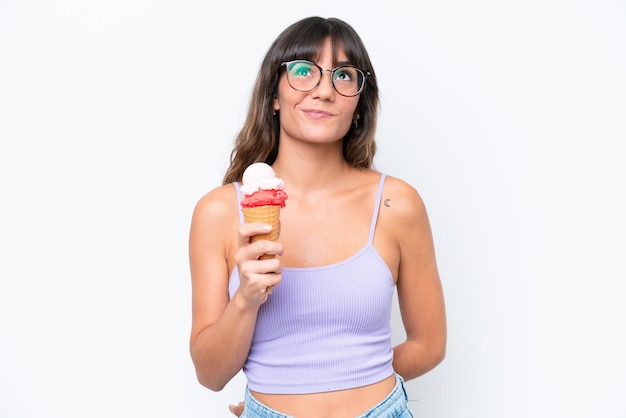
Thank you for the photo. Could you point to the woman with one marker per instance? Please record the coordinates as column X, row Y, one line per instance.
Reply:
column 320, row 344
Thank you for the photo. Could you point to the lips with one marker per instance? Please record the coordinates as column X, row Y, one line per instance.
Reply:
column 317, row 114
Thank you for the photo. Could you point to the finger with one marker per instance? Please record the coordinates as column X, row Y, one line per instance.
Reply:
column 248, row 230
column 259, row 268
column 264, row 249
column 247, row 257
column 258, row 287
column 260, row 281
column 272, row 279
column 236, row 410
column 255, row 288
column 275, row 281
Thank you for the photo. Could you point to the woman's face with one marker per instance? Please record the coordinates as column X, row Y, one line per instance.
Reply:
column 321, row 115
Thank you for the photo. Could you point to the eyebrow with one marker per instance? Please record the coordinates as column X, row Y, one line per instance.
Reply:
column 336, row 65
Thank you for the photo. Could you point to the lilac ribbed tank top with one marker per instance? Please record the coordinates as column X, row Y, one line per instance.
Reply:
column 324, row 328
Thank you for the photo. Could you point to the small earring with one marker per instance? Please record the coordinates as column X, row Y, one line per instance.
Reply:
column 356, row 121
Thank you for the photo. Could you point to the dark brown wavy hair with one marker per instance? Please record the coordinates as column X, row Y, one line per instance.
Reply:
column 259, row 137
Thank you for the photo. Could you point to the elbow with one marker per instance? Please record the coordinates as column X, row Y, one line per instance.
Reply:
column 207, row 374
column 437, row 352
column 430, row 358
column 210, row 384
column 208, row 377
column 415, row 358
column 439, row 355
column 209, row 381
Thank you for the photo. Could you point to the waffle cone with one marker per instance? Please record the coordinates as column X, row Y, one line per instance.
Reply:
column 268, row 214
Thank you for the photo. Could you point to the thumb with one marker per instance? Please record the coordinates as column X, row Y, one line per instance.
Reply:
column 236, row 410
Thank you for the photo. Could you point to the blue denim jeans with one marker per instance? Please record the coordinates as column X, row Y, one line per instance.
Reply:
column 393, row 406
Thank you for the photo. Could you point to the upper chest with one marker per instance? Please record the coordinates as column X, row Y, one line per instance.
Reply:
column 328, row 229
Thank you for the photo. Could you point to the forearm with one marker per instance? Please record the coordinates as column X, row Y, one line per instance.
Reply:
column 412, row 358
column 220, row 350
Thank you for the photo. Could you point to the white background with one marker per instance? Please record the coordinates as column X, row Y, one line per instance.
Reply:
column 507, row 116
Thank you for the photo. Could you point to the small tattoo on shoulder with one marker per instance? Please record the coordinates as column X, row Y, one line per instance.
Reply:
column 387, row 203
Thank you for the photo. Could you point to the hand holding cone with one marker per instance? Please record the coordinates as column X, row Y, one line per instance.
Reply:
column 263, row 198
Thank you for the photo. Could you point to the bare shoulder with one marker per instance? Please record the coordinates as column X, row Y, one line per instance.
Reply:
column 215, row 217
column 403, row 214
column 403, row 201
column 218, row 202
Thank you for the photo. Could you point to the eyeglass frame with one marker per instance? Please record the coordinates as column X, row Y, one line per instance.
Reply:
column 332, row 72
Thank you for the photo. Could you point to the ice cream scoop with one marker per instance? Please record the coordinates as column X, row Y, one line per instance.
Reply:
column 260, row 176
column 261, row 187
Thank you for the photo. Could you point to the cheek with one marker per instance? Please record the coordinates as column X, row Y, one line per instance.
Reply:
column 346, row 123
column 351, row 109
column 284, row 90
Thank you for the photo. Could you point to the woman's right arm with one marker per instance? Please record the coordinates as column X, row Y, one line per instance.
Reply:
column 222, row 327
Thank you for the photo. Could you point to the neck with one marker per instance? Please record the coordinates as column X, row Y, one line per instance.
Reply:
column 311, row 167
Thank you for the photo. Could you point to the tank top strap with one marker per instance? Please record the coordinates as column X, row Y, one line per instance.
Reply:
column 236, row 184
column 376, row 207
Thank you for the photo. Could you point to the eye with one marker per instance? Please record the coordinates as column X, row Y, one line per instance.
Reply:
column 301, row 69
column 345, row 74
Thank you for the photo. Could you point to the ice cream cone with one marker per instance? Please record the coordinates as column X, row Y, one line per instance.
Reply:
column 263, row 197
column 268, row 214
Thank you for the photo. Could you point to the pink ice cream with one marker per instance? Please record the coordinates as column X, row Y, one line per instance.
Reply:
column 261, row 187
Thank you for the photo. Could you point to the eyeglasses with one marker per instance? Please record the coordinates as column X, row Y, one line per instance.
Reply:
column 305, row 76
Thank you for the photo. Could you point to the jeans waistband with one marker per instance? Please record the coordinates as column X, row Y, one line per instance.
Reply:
column 392, row 406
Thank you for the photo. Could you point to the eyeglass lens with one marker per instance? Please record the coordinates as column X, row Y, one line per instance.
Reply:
column 305, row 76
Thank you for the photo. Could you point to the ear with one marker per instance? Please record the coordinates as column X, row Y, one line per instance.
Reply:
column 276, row 105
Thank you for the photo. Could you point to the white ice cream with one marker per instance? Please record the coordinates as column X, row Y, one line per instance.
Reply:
column 260, row 176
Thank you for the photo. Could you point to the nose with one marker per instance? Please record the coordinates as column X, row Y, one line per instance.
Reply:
column 325, row 89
